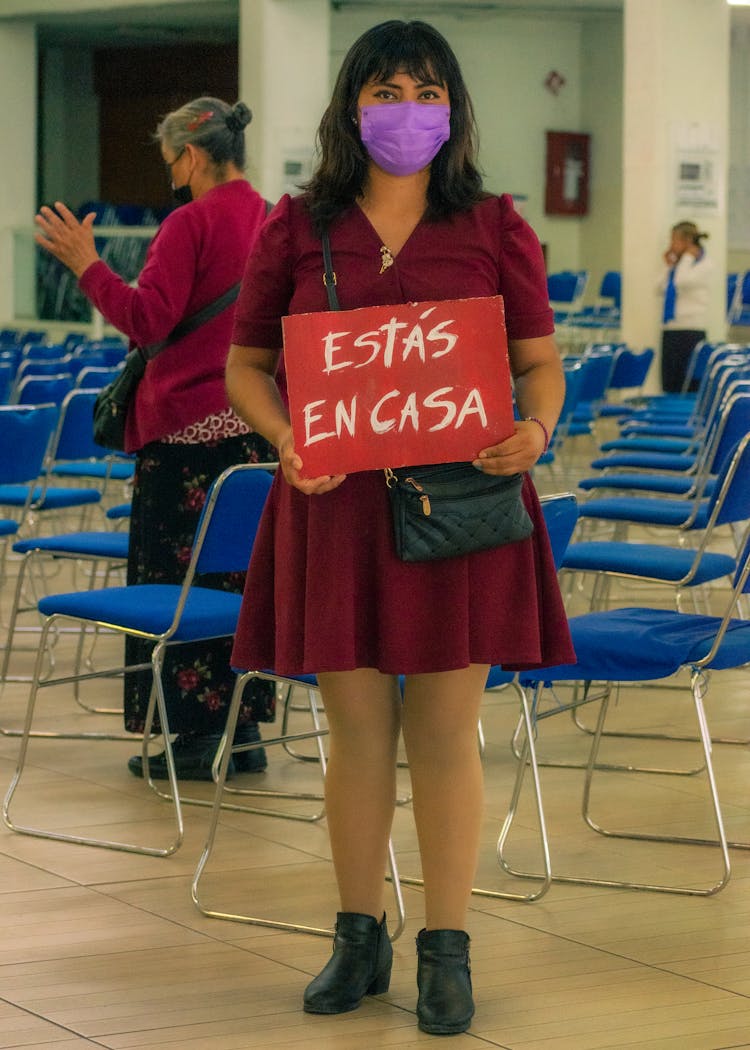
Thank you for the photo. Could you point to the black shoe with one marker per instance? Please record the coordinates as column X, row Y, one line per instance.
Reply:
column 360, row 966
column 253, row 761
column 194, row 756
column 445, row 1005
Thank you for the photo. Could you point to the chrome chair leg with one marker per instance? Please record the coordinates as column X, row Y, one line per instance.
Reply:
column 156, row 702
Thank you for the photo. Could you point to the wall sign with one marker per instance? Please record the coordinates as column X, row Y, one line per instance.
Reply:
column 390, row 386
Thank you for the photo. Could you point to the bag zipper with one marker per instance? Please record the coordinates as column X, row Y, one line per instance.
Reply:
column 391, row 479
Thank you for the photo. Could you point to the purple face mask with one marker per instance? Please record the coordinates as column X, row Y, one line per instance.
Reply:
column 404, row 137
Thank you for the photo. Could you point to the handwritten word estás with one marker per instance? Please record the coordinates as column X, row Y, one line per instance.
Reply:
column 389, row 341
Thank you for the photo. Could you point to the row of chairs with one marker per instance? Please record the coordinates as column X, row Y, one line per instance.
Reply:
column 37, row 372
column 613, row 645
column 603, row 640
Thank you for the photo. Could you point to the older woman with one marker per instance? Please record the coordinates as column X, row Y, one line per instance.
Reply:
column 181, row 426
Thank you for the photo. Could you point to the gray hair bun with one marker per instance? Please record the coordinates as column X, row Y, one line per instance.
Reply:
column 239, row 117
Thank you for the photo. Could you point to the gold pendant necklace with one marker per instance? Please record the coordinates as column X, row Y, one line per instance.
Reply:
column 386, row 259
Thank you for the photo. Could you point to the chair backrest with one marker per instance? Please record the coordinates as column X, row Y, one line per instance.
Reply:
column 560, row 516
column 74, row 436
column 37, row 390
column 566, row 286
column 7, row 373
column 730, row 501
column 611, row 288
column 40, row 366
column 226, row 531
column 95, row 377
column 25, row 435
column 43, row 351
column 630, row 368
column 597, row 362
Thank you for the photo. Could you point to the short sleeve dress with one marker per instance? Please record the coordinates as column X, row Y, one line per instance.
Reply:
column 325, row 590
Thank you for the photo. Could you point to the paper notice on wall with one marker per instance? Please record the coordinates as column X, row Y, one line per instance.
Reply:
column 698, row 170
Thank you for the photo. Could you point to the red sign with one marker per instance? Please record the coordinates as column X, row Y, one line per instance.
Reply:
column 391, row 386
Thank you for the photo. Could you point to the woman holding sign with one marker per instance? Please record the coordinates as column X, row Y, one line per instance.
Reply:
column 399, row 193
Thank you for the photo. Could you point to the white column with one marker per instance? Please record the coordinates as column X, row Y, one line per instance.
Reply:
column 676, row 109
column 18, row 91
column 284, row 79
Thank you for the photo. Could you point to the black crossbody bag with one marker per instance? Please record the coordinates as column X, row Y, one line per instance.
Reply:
column 444, row 510
column 111, row 405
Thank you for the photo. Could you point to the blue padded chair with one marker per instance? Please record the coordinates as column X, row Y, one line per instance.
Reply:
column 166, row 614
column 680, row 514
column 680, row 566
column 565, row 290
column 693, row 456
column 597, row 362
column 629, row 372
column 683, row 435
column 72, row 439
column 77, row 456
column 695, row 474
column 637, row 645
column 90, row 548
column 25, row 435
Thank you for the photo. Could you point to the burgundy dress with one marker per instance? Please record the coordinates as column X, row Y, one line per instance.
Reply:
column 325, row 590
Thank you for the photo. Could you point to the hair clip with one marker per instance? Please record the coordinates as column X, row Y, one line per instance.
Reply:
column 196, row 122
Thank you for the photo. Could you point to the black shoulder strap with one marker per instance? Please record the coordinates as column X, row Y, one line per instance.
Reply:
column 189, row 324
column 329, row 274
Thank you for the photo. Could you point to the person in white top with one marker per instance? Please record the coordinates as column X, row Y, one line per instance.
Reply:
column 686, row 286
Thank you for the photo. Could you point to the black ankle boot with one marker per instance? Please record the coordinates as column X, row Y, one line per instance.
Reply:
column 360, row 966
column 445, row 1005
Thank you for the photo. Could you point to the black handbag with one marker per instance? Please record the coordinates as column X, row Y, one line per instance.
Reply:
column 111, row 405
column 444, row 510
column 448, row 509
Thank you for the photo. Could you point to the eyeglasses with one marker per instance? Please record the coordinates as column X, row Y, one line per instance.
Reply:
column 171, row 163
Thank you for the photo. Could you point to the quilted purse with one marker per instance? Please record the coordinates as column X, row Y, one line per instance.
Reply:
column 447, row 509
column 444, row 510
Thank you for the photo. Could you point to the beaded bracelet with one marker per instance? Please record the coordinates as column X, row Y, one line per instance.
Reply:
column 533, row 419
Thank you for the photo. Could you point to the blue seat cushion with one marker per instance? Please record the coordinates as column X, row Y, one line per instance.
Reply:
column 88, row 544
column 87, row 468
column 646, row 559
column 8, row 527
column 669, row 484
column 647, row 511
column 54, row 498
column 645, row 461
column 635, row 444
column 639, row 645
column 149, row 608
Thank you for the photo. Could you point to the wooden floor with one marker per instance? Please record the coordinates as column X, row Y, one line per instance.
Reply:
column 104, row 949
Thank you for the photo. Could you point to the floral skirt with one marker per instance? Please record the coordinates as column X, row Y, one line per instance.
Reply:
column 170, row 487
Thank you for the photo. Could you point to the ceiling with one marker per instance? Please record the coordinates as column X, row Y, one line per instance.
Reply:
column 140, row 23
column 215, row 21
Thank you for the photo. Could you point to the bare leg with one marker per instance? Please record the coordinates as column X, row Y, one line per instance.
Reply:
column 363, row 708
column 440, row 717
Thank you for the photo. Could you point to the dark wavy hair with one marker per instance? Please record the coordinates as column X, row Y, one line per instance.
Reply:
column 421, row 51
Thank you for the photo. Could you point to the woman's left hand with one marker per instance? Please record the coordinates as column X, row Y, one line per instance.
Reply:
column 70, row 241
column 517, row 453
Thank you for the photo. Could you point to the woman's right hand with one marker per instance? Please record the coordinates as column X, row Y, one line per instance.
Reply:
column 291, row 464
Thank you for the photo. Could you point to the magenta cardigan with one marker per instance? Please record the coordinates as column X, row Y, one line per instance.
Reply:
column 198, row 253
